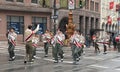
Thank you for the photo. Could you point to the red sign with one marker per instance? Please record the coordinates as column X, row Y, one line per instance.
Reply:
column 111, row 5
column 109, row 20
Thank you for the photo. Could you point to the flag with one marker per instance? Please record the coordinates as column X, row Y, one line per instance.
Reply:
column 117, row 7
column 111, row 5
column 109, row 21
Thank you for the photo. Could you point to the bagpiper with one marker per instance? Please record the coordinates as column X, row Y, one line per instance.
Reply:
column 46, row 37
column 12, row 43
column 58, row 42
column 28, row 39
column 75, row 46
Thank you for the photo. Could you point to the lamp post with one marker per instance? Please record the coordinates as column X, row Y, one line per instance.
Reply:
column 54, row 8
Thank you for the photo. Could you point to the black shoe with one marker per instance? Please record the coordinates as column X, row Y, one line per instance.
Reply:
column 46, row 55
column 62, row 60
column 104, row 53
column 25, row 62
column 55, row 61
column 11, row 59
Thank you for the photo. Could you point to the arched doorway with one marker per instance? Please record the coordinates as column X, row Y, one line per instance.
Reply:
column 62, row 24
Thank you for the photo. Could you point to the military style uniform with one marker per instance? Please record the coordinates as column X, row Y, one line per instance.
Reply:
column 75, row 46
column 11, row 41
column 29, row 47
column 105, row 43
column 35, row 41
column 46, row 39
column 58, row 51
column 82, row 41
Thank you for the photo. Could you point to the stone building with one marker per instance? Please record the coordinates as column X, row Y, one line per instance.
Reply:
column 21, row 13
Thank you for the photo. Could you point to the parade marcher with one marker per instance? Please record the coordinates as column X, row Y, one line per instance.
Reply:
column 106, row 42
column 118, row 42
column 12, row 43
column 46, row 39
column 35, row 41
column 58, row 51
column 95, row 40
column 75, row 46
column 29, row 46
column 82, row 42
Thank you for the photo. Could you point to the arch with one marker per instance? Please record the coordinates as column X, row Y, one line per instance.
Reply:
column 62, row 24
column 113, row 27
column 103, row 25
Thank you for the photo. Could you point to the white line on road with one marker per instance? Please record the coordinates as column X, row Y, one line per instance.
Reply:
column 98, row 66
column 117, row 69
column 94, row 58
column 116, row 60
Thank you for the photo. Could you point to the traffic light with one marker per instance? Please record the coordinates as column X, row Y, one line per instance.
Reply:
column 81, row 3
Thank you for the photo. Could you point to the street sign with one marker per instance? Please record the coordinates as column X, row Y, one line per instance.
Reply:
column 54, row 17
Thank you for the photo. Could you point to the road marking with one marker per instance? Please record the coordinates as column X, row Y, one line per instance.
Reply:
column 94, row 58
column 53, row 60
column 115, row 60
column 118, row 69
column 98, row 66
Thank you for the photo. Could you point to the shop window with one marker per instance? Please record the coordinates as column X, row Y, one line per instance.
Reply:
column 19, row 0
column 34, row 1
column 10, row 0
column 16, row 22
column 42, row 21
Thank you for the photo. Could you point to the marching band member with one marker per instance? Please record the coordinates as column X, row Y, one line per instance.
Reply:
column 58, row 39
column 75, row 45
column 35, row 41
column 46, row 39
column 11, row 41
column 29, row 48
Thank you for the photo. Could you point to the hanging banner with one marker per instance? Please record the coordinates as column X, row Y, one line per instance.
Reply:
column 71, row 4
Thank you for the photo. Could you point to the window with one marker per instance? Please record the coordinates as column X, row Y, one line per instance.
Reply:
column 96, row 7
column 43, row 23
column 86, row 4
column 16, row 22
column 19, row 0
column 92, row 5
column 63, row 3
column 10, row 0
column 34, row 1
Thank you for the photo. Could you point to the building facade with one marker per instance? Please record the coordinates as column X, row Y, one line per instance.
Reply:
column 85, row 18
column 108, row 10
column 21, row 13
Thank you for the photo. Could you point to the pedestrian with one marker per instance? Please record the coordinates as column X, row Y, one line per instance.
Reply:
column 87, row 41
column 75, row 46
column 59, row 42
column 46, row 37
column 29, row 48
column 12, row 36
column 118, row 42
column 114, row 42
column 35, row 41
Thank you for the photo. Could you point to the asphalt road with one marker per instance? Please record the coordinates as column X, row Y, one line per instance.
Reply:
column 90, row 62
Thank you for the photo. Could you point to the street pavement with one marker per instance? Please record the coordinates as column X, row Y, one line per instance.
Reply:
column 90, row 62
